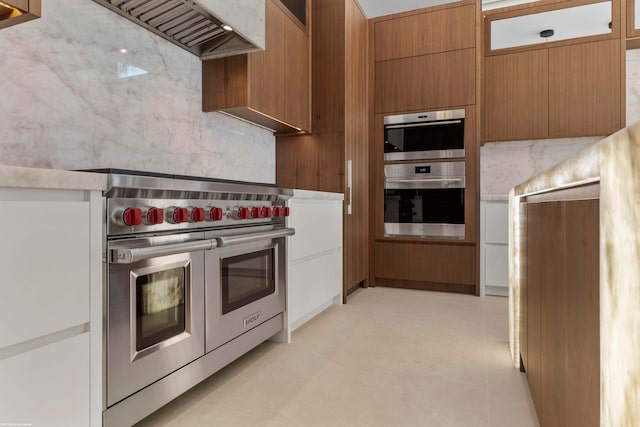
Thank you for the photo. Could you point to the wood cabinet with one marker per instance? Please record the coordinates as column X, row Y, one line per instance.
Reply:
column 633, row 19
column 320, row 161
column 14, row 12
column 584, row 89
column 425, row 61
column 566, row 85
column 560, row 316
column 271, row 88
column 566, row 91
column 516, row 96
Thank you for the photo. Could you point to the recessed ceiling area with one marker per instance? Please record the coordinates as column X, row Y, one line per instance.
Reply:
column 375, row 8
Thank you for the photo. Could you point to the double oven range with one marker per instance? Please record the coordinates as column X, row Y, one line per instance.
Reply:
column 195, row 277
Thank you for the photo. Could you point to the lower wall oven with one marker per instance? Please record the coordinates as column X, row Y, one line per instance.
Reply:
column 423, row 199
column 195, row 278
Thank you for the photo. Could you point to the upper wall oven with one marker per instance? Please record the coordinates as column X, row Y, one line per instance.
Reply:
column 419, row 136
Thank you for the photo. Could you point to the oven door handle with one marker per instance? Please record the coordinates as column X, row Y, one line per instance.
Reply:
column 254, row 237
column 129, row 256
column 424, row 180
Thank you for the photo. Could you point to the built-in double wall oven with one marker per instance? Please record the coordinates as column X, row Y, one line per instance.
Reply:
column 424, row 175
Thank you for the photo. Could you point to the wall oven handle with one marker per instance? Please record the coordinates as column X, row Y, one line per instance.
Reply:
column 424, row 180
column 254, row 237
column 129, row 256
column 415, row 125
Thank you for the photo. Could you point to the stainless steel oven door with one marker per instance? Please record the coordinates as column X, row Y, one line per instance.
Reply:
column 155, row 309
column 246, row 283
column 425, row 200
column 419, row 136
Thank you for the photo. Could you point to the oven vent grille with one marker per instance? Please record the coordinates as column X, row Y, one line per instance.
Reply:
column 184, row 23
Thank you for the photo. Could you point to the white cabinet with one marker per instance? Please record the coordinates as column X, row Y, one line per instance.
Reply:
column 494, row 247
column 567, row 23
column 50, row 297
column 314, row 255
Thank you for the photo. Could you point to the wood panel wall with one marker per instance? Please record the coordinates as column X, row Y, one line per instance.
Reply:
column 340, row 126
column 561, row 327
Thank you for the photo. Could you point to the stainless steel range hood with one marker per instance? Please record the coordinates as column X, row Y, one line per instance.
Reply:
column 186, row 24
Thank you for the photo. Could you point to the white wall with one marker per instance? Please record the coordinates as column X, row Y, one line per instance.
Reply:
column 66, row 103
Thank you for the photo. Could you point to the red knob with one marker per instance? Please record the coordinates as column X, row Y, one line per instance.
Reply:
column 277, row 212
column 286, row 211
column 215, row 214
column 243, row 213
column 154, row 216
column 132, row 216
column 256, row 212
column 197, row 214
column 266, row 212
column 181, row 215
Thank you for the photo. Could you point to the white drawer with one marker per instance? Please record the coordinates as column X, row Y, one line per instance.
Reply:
column 318, row 225
column 48, row 386
column 44, row 259
column 568, row 23
column 496, row 222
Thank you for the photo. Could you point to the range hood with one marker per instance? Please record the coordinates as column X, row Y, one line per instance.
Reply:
column 191, row 26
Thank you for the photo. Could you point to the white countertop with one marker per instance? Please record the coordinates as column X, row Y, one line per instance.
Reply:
column 23, row 177
column 316, row 195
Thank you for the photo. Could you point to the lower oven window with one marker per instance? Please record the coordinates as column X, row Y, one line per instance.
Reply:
column 247, row 278
column 160, row 306
column 432, row 206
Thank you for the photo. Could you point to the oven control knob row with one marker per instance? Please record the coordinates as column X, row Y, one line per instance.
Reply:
column 280, row 211
column 177, row 215
column 153, row 216
column 132, row 216
column 197, row 215
column 240, row 213
column 214, row 214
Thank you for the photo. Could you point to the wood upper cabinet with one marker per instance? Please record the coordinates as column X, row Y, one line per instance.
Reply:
column 567, row 85
column 272, row 87
column 425, row 33
column 14, row 12
column 565, row 91
column 584, row 89
column 516, row 103
column 426, row 60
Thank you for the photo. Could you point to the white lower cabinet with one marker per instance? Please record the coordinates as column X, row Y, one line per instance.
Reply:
column 494, row 247
column 50, row 298
column 47, row 386
column 314, row 270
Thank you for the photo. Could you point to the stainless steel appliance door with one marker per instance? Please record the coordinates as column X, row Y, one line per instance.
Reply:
column 425, row 200
column 155, row 310
column 247, row 286
column 429, row 135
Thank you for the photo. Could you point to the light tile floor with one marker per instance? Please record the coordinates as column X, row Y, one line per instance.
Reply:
column 390, row 357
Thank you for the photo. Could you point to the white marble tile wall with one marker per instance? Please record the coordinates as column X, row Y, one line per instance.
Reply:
column 504, row 165
column 633, row 86
column 71, row 98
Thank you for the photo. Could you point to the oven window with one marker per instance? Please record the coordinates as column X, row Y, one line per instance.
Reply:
column 430, row 137
column 426, row 206
column 160, row 306
column 247, row 278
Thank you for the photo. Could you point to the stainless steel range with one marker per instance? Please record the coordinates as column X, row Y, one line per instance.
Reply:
column 195, row 277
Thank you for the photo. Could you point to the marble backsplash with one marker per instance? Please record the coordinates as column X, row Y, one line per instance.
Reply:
column 82, row 87
column 504, row 165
